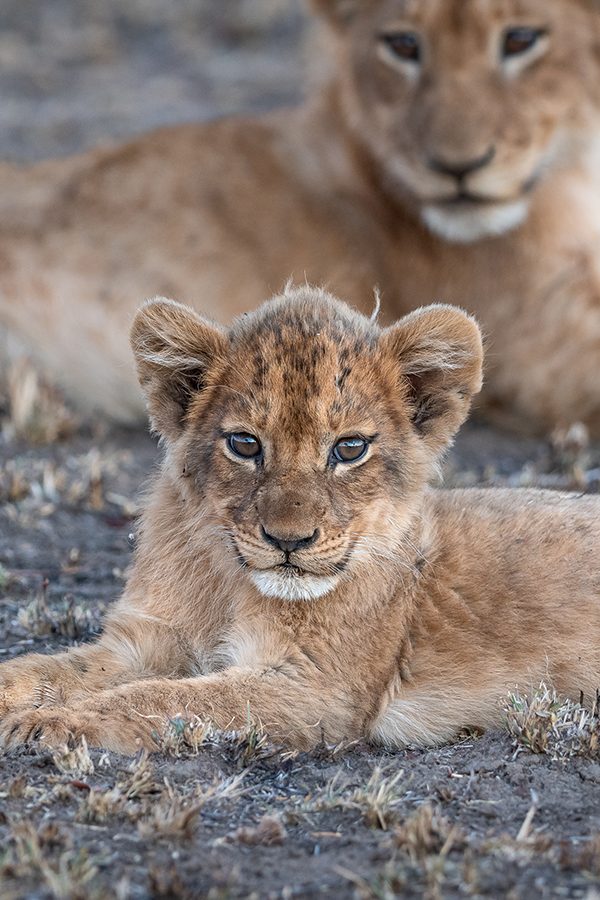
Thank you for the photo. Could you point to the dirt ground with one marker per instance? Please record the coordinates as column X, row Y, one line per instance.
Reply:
column 229, row 815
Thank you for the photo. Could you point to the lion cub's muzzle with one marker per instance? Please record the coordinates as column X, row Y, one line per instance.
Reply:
column 293, row 566
column 290, row 544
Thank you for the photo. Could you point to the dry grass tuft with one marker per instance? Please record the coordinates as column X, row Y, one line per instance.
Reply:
column 377, row 800
column 176, row 815
column 74, row 758
column 98, row 806
column 175, row 818
column 67, row 618
column 65, row 873
column 269, row 831
column 187, row 737
column 424, row 833
column 167, row 884
column 139, row 780
column 136, row 785
column 544, row 723
column 584, row 857
column 37, row 412
column 248, row 746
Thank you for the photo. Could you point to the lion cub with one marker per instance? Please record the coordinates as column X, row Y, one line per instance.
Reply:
column 293, row 565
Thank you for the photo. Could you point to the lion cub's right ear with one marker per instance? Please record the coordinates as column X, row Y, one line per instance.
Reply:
column 175, row 349
column 439, row 352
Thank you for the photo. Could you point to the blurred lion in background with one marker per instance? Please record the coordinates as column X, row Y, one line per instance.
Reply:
column 453, row 153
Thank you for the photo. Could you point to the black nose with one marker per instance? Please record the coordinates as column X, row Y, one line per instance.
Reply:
column 460, row 170
column 288, row 545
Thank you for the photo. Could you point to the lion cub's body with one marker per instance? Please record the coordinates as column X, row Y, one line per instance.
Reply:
column 345, row 191
column 317, row 595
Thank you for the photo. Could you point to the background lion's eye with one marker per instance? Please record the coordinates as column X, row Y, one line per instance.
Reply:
column 350, row 449
column 404, row 44
column 245, row 445
column 520, row 40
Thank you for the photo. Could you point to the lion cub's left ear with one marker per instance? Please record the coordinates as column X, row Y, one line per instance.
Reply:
column 175, row 352
column 440, row 356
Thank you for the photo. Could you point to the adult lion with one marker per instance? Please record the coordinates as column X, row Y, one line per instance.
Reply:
column 453, row 155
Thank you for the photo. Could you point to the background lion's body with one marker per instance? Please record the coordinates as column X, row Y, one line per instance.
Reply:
column 221, row 215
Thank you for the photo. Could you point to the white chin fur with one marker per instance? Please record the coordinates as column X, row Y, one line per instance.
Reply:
column 293, row 587
column 468, row 224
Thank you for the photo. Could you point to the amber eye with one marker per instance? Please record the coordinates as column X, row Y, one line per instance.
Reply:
column 349, row 449
column 520, row 40
column 404, row 44
column 244, row 445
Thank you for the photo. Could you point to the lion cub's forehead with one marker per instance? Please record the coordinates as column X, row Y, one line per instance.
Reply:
column 301, row 357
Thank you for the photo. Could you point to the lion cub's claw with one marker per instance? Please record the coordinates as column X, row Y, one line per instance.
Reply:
column 53, row 727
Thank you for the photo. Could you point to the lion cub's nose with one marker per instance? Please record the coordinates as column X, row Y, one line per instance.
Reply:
column 288, row 545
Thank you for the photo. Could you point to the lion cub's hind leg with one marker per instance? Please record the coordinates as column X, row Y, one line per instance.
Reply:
column 434, row 714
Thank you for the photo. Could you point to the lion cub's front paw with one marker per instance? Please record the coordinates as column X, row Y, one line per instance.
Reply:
column 50, row 726
column 56, row 726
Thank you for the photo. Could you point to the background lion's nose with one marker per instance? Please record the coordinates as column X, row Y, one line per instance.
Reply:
column 289, row 544
column 463, row 168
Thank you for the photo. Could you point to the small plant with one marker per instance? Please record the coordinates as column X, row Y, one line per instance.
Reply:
column 66, row 619
column 139, row 779
column 174, row 817
column 65, row 873
column 544, row 723
column 268, row 832
column 37, row 412
column 187, row 737
column 74, row 757
column 424, row 833
column 377, row 801
column 184, row 737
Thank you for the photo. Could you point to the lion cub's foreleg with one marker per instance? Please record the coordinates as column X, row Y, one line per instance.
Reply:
column 130, row 648
column 132, row 716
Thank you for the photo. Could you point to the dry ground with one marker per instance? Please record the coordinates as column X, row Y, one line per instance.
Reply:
column 228, row 815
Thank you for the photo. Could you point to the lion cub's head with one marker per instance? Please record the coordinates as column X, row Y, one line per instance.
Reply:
column 468, row 104
column 301, row 439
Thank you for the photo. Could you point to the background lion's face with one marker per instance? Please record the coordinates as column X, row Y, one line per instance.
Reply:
column 468, row 104
column 301, row 439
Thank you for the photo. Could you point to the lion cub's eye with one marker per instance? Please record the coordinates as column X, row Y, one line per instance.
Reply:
column 520, row 40
column 405, row 45
column 244, row 445
column 350, row 449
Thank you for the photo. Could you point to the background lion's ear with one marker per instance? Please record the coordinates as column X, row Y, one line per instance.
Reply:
column 175, row 350
column 440, row 355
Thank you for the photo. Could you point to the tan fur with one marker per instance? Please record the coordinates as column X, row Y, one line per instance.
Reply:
column 435, row 602
column 338, row 192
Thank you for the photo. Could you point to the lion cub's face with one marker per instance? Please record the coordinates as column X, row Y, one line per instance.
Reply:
column 306, row 432
column 467, row 104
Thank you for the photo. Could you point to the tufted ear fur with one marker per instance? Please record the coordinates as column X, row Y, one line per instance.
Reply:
column 439, row 351
column 175, row 351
